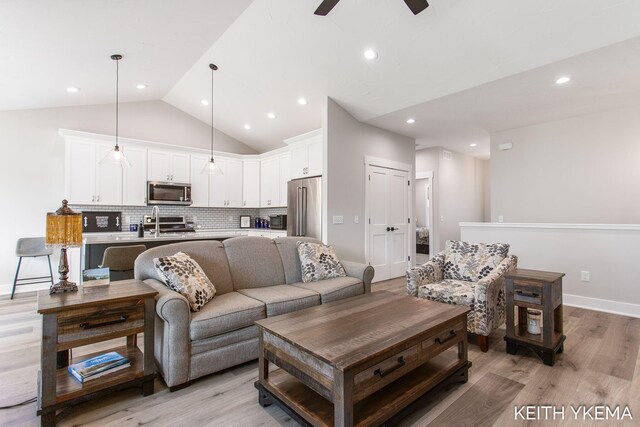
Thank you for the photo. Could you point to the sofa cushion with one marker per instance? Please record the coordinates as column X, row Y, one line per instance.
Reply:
column 288, row 249
column 183, row 275
column 319, row 262
column 209, row 254
column 472, row 261
column 335, row 289
column 225, row 313
column 449, row 291
column 254, row 262
column 282, row 299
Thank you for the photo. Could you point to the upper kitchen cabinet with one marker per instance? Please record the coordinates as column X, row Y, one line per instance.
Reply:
column 169, row 166
column 199, row 181
column 87, row 181
column 306, row 154
column 251, row 183
column 274, row 175
column 134, row 189
column 225, row 189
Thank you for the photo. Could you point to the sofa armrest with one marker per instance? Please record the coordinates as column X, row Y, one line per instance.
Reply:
column 172, row 339
column 429, row 272
column 490, row 297
column 360, row 271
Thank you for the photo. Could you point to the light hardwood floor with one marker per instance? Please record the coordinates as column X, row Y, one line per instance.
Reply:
column 600, row 366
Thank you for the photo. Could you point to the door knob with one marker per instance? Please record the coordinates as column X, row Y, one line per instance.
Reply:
column 393, row 229
column 388, row 228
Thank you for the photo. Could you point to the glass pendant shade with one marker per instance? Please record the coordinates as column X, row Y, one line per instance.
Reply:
column 115, row 157
column 211, row 168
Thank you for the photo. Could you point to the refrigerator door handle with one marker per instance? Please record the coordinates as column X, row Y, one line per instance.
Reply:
column 304, row 212
column 299, row 212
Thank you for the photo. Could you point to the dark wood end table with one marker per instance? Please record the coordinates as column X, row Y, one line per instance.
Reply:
column 538, row 290
column 93, row 314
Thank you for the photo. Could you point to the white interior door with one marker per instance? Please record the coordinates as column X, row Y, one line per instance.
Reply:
column 387, row 196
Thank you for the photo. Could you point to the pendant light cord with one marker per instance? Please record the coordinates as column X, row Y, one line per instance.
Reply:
column 117, row 97
column 212, row 70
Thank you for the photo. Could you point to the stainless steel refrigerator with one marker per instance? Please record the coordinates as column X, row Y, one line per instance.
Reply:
column 304, row 207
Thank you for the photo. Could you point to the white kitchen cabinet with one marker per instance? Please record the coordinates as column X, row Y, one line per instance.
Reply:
column 225, row 190
column 86, row 180
column 199, row 181
column 269, row 179
column 306, row 155
column 284, row 178
column 251, row 183
column 169, row 166
column 265, row 232
column 134, row 187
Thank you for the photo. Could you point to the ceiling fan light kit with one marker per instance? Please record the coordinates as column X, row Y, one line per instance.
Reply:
column 416, row 6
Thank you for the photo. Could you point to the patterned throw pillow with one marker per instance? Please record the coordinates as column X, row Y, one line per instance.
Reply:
column 472, row 261
column 318, row 262
column 183, row 275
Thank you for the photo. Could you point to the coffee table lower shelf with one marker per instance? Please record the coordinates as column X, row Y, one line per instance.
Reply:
column 387, row 404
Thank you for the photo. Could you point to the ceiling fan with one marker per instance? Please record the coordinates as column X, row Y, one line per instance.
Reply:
column 416, row 6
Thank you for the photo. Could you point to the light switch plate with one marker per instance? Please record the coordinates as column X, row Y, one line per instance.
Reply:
column 338, row 219
column 356, row 219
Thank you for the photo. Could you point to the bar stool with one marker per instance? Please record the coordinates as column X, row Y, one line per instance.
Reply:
column 121, row 259
column 31, row 247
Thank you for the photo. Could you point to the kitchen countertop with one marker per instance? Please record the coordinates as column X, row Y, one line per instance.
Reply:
column 200, row 234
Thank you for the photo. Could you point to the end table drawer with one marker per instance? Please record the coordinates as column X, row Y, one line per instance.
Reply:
column 106, row 321
column 527, row 292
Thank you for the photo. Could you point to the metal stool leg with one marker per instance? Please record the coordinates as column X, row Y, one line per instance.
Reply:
column 15, row 279
column 50, row 271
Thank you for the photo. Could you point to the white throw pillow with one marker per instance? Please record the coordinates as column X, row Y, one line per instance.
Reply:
column 318, row 262
column 183, row 275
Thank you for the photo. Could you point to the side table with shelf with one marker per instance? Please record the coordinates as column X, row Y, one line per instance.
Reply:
column 538, row 290
column 69, row 320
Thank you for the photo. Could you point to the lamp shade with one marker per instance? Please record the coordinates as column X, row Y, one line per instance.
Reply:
column 64, row 227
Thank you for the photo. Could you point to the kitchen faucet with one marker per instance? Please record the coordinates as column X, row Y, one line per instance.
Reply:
column 155, row 213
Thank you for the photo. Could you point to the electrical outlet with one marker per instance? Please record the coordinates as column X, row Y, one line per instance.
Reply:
column 441, row 218
column 500, row 218
column 585, row 276
column 356, row 219
column 127, row 219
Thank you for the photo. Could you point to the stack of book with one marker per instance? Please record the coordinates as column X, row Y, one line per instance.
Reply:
column 98, row 366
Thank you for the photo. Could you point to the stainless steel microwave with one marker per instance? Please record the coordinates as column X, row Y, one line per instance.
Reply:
column 168, row 193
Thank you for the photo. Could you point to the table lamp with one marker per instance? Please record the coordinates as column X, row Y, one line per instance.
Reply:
column 64, row 230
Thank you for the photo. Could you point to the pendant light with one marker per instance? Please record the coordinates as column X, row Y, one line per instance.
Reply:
column 211, row 167
column 116, row 156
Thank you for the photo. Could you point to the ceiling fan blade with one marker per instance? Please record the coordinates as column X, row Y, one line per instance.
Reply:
column 417, row 6
column 325, row 7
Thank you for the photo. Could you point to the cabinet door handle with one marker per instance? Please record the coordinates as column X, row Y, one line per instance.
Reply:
column 384, row 372
column 527, row 294
column 452, row 335
column 244, row 203
column 86, row 325
column 93, row 198
column 98, row 198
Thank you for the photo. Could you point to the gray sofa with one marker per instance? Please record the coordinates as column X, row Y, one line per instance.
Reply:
column 254, row 277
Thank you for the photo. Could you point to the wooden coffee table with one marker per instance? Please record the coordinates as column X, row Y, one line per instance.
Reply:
column 362, row 360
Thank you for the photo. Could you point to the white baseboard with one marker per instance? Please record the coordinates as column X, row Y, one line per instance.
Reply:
column 608, row 306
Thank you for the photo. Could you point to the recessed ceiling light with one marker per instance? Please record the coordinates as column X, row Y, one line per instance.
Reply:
column 141, row 86
column 247, row 126
column 370, row 54
column 205, row 102
column 411, row 121
column 563, row 80
column 473, row 144
column 271, row 115
column 302, row 101
column 72, row 89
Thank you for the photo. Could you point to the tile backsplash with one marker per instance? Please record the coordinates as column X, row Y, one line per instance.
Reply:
column 205, row 218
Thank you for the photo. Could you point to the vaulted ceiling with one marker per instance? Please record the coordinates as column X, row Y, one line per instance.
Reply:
column 461, row 68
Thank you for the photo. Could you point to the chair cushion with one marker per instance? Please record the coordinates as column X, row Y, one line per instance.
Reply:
column 288, row 248
column 282, row 299
column 254, row 262
column 183, row 275
column 457, row 292
column 319, row 262
column 335, row 289
column 472, row 261
column 225, row 313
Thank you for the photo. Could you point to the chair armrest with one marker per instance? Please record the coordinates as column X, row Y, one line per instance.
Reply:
column 490, row 297
column 172, row 343
column 360, row 271
column 429, row 272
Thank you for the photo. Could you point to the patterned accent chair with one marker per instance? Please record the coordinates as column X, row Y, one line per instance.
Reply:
column 471, row 275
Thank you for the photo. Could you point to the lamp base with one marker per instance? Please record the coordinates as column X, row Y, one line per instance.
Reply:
column 63, row 286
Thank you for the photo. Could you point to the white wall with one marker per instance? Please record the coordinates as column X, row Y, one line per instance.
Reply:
column 32, row 164
column 609, row 253
column 347, row 143
column 584, row 169
column 459, row 191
